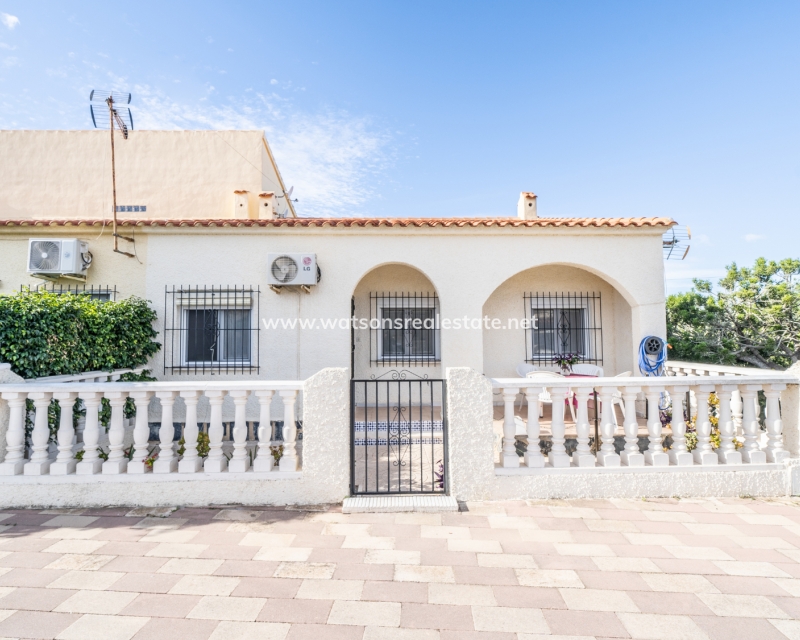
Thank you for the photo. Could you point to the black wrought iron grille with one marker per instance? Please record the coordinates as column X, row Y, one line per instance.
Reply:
column 93, row 291
column 404, row 329
column 398, row 436
column 562, row 323
column 211, row 329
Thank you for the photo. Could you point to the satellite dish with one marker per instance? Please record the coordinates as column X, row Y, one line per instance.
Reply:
column 289, row 192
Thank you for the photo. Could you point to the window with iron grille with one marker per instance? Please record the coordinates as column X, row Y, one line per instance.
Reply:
column 211, row 329
column 561, row 323
column 93, row 291
column 404, row 328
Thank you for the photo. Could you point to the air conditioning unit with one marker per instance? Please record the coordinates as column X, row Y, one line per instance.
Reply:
column 286, row 269
column 58, row 256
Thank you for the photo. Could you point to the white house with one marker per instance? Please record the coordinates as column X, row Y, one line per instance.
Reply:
column 219, row 252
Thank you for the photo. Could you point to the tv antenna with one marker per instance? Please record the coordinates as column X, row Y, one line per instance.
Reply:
column 675, row 242
column 113, row 117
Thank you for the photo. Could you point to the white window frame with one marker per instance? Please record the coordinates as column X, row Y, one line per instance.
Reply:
column 221, row 315
column 410, row 303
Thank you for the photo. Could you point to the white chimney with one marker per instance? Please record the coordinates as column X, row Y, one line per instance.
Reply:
column 266, row 205
column 526, row 207
column 241, row 205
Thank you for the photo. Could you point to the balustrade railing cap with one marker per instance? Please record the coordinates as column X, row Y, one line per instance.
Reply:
column 4, row 365
column 200, row 385
column 776, row 377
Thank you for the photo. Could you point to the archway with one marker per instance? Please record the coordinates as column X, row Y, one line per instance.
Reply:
column 395, row 309
column 575, row 310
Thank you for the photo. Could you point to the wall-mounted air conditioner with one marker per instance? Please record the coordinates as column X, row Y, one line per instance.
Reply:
column 285, row 269
column 58, row 256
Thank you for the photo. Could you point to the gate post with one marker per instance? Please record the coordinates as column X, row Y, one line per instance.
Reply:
column 326, row 440
column 470, row 445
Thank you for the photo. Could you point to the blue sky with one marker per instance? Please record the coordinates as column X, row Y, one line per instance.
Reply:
column 682, row 109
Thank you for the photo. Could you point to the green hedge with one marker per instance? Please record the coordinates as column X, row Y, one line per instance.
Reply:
column 48, row 334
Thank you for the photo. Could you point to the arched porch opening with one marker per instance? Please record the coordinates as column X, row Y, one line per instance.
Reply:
column 395, row 310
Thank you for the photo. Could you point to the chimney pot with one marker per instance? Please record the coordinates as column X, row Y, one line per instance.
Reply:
column 526, row 207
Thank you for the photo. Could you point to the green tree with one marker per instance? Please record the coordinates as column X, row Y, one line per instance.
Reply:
column 752, row 318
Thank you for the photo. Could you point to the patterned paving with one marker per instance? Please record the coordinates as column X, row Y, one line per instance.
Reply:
column 656, row 569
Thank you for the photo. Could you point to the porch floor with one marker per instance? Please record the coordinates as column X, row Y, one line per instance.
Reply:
column 668, row 568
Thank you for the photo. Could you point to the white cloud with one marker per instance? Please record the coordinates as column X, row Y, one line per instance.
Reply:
column 3, row 45
column 273, row 81
column 11, row 61
column 753, row 237
column 332, row 158
column 10, row 21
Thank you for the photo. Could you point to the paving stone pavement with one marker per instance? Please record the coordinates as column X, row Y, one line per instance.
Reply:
column 519, row 570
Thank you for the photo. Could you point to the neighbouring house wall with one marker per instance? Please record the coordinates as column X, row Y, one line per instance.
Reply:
column 175, row 174
column 505, row 349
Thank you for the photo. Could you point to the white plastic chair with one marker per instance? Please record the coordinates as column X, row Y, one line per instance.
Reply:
column 523, row 369
column 587, row 370
column 617, row 397
column 545, row 397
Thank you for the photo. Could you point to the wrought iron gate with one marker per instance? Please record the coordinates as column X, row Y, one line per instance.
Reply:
column 398, row 436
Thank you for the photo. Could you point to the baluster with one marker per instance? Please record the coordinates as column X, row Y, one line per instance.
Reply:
column 116, row 463
column 509, row 457
column 655, row 455
column 752, row 430
column 65, row 462
column 264, row 460
column 736, row 410
column 91, row 462
column 775, row 451
column 15, row 435
column 239, row 461
column 191, row 461
column 533, row 456
column 678, row 454
column 607, row 456
column 216, row 461
column 583, row 454
column 141, row 432
column 166, row 462
column 703, row 453
column 558, row 453
column 631, row 455
column 727, row 452
column 289, row 461
column 39, row 463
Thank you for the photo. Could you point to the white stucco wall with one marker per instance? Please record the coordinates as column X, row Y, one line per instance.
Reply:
column 175, row 174
column 463, row 265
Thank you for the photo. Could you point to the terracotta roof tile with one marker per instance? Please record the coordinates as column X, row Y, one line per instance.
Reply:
column 355, row 222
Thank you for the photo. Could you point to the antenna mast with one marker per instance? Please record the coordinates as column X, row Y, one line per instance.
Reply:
column 115, row 116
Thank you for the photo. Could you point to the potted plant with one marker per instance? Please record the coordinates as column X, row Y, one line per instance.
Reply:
column 565, row 361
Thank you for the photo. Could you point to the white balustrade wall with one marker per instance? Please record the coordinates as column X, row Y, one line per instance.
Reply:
column 227, row 411
column 739, row 418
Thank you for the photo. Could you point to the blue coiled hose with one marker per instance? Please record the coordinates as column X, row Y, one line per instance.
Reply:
column 652, row 364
